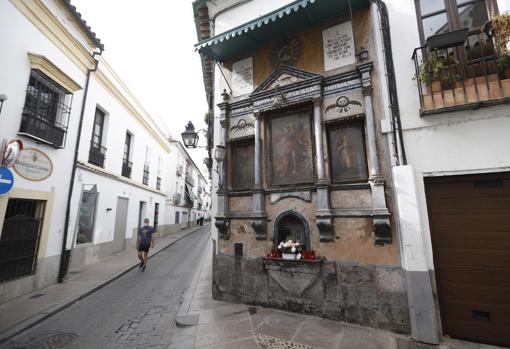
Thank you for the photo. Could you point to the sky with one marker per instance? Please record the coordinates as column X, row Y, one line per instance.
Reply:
column 149, row 44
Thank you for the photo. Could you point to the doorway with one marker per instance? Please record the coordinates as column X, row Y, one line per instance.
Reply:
column 119, row 234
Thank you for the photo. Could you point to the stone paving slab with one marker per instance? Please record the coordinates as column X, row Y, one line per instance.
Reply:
column 26, row 311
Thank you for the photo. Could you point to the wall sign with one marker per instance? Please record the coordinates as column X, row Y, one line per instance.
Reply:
column 242, row 76
column 338, row 45
column 33, row 164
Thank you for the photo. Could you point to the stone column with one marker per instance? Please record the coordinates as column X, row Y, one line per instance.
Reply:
column 323, row 214
column 380, row 213
column 259, row 217
column 221, row 219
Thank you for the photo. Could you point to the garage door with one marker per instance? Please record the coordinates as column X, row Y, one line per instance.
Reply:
column 469, row 220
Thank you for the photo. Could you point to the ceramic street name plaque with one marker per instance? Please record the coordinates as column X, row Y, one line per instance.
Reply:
column 338, row 45
column 242, row 76
column 33, row 164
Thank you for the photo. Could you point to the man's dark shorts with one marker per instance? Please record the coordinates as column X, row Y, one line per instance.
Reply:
column 144, row 248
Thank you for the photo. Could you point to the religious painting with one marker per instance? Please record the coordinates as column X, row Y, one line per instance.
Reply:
column 243, row 176
column 346, row 142
column 291, row 151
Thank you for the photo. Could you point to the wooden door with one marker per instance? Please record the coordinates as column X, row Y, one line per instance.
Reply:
column 469, row 219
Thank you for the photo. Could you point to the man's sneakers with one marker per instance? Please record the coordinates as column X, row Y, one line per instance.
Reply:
column 141, row 265
column 143, row 268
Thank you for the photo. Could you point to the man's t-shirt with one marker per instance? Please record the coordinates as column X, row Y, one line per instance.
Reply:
column 145, row 234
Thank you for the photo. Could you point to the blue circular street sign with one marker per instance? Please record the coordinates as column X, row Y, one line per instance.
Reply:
column 6, row 180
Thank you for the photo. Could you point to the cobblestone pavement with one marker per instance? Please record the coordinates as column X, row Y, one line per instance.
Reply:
column 136, row 311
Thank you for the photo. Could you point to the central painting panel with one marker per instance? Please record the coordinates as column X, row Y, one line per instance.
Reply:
column 291, row 149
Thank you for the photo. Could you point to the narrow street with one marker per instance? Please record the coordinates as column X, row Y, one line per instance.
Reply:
column 137, row 310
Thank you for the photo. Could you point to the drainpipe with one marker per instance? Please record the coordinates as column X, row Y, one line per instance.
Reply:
column 65, row 256
column 398, row 139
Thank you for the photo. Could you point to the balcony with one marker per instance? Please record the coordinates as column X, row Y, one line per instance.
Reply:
column 145, row 179
column 178, row 171
column 40, row 128
column 177, row 198
column 97, row 154
column 126, row 168
column 158, row 183
column 461, row 76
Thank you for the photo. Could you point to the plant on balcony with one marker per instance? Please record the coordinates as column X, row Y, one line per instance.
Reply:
column 434, row 72
column 500, row 31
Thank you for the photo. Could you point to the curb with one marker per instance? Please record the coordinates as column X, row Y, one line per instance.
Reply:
column 56, row 308
column 183, row 319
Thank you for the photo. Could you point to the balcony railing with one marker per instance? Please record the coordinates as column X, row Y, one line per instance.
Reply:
column 158, row 183
column 126, row 168
column 41, row 128
column 145, row 179
column 460, row 77
column 97, row 154
column 177, row 198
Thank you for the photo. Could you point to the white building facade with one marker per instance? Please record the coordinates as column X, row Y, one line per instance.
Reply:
column 44, row 74
column 188, row 199
column 452, row 187
column 120, row 178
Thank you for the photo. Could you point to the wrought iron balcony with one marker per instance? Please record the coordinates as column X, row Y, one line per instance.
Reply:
column 177, row 198
column 126, row 168
column 459, row 77
column 97, row 154
column 158, row 183
column 145, row 179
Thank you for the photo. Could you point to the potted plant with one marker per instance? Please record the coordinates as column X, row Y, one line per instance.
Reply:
column 500, row 30
column 434, row 73
column 448, row 39
column 504, row 67
column 291, row 249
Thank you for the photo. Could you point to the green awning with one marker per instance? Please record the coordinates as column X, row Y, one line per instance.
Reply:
column 285, row 21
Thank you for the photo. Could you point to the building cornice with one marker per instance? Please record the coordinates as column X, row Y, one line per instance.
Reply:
column 53, row 72
column 112, row 175
column 121, row 98
column 48, row 24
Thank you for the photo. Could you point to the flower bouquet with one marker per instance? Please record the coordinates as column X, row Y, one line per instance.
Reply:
column 291, row 249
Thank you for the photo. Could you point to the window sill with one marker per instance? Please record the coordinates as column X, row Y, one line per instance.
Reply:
column 39, row 140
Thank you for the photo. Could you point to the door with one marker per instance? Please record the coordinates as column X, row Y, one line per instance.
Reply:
column 119, row 235
column 469, row 219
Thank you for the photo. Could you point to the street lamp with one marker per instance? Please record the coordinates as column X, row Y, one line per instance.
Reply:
column 190, row 137
column 219, row 156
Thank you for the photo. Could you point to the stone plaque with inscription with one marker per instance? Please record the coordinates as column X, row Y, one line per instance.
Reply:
column 242, row 76
column 338, row 44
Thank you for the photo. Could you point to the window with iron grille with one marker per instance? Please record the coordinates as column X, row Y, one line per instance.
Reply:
column 97, row 152
column 158, row 183
column 46, row 111
column 156, row 216
column 126, row 164
column 19, row 241
column 145, row 174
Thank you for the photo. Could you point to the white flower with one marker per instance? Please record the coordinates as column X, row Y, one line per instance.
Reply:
column 290, row 242
column 293, row 249
column 298, row 256
column 297, row 243
column 284, row 244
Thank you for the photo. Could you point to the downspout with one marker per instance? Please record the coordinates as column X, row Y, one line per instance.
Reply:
column 65, row 256
column 398, row 139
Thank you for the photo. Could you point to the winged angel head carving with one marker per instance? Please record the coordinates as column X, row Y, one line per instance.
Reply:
column 342, row 105
column 241, row 126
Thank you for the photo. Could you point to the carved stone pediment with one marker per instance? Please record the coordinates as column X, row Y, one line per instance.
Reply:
column 282, row 76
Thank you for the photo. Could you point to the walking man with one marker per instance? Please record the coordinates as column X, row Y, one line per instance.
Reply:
column 144, row 242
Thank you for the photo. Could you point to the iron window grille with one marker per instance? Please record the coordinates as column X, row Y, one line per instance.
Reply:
column 126, row 168
column 145, row 174
column 158, row 183
column 97, row 154
column 19, row 242
column 46, row 111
